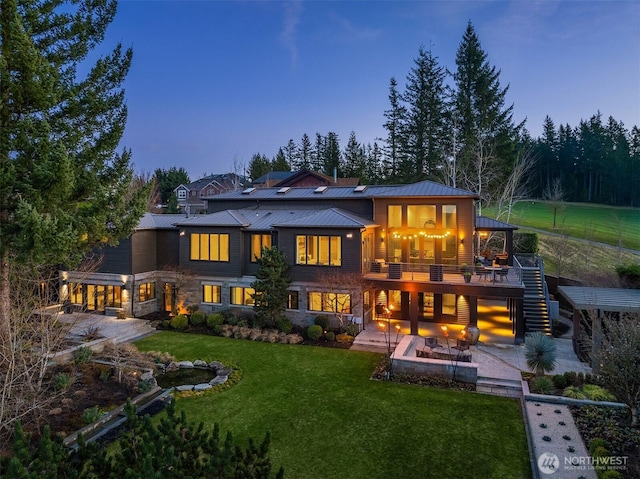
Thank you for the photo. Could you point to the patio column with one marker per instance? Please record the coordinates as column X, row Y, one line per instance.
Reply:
column 596, row 337
column 413, row 312
column 517, row 306
column 509, row 245
column 473, row 310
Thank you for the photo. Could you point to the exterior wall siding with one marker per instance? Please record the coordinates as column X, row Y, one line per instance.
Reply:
column 144, row 251
column 115, row 259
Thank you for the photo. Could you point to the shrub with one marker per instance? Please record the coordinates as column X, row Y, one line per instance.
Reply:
column 574, row 392
column 344, row 338
column 612, row 474
column 580, row 379
column 559, row 381
column 314, row 332
column 197, row 318
column 284, row 325
column 540, row 353
column 322, row 320
column 91, row 414
column 330, row 336
column 571, row 378
column 597, row 442
column 192, row 308
column 629, row 274
column 228, row 315
column 166, row 324
column 542, row 385
column 82, row 355
column 294, row 339
column 62, row 381
column 179, row 322
column 217, row 329
column 215, row 319
column 145, row 385
column 352, row 329
column 597, row 393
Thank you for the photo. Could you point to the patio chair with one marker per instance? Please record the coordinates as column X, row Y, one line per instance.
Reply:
column 503, row 273
column 482, row 272
column 461, row 345
column 431, row 342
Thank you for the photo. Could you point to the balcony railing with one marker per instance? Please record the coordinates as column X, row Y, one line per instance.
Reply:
column 446, row 273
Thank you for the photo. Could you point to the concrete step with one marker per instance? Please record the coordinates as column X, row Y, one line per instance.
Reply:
column 499, row 387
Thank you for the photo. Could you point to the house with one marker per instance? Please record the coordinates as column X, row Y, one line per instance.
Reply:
column 302, row 178
column 409, row 243
column 191, row 197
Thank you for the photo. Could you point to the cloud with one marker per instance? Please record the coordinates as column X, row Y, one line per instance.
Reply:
column 292, row 13
column 355, row 32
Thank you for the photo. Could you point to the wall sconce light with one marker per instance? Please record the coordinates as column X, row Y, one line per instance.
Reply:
column 182, row 233
column 381, row 240
column 462, row 241
column 124, row 286
column 349, row 235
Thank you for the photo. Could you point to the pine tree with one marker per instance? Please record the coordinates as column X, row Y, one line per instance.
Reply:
column 487, row 133
column 305, row 154
column 354, row 158
column 424, row 127
column 395, row 134
column 279, row 162
column 272, row 281
column 318, row 158
column 332, row 157
column 259, row 166
column 291, row 154
column 64, row 188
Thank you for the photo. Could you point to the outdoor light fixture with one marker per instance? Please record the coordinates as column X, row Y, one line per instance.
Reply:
column 349, row 235
column 461, row 240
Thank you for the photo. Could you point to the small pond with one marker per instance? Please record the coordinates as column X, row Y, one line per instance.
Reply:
column 185, row 376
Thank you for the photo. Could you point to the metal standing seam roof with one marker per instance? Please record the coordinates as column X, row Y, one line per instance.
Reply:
column 423, row 188
column 489, row 224
column 265, row 219
column 153, row 221
column 605, row 299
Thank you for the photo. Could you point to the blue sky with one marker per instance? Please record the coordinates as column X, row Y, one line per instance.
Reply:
column 214, row 81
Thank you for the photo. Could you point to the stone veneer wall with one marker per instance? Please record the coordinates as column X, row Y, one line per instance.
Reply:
column 405, row 362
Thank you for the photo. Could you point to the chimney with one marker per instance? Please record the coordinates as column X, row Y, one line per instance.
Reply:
column 335, row 174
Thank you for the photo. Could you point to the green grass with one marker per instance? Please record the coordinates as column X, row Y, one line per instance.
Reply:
column 327, row 419
column 606, row 224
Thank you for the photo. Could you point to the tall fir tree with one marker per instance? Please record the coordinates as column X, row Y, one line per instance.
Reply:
column 332, row 163
column 424, row 126
column 394, row 124
column 259, row 166
column 305, row 154
column 279, row 162
column 291, row 154
column 64, row 188
column 487, row 132
column 353, row 158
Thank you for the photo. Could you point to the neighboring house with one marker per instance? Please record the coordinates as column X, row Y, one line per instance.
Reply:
column 301, row 178
column 271, row 178
column 191, row 197
column 407, row 241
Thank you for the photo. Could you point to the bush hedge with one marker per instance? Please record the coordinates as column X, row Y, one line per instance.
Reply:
column 314, row 332
column 179, row 322
column 198, row 318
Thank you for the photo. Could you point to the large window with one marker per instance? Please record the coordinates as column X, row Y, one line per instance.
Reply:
column 394, row 216
column 242, row 296
column 75, row 293
column 147, row 291
column 330, row 302
column 421, row 216
column 258, row 242
column 209, row 247
column 211, row 293
column 449, row 217
column 319, row 250
column 449, row 304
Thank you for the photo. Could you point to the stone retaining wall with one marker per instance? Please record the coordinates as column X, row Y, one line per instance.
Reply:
column 405, row 362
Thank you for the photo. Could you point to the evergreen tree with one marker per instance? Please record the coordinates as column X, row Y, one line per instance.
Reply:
column 169, row 180
column 373, row 173
column 279, row 162
column 424, row 127
column 548, row 156
column 291, row 154
column 332, row 157
column 395, row 138
column 305, row 154
column 354, row 158
column 318, row 154
column 172, row 205
column 272, row 281
column 487, row 132
column 259, row 166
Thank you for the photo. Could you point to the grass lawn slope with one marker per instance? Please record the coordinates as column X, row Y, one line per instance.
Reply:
column 329, row 420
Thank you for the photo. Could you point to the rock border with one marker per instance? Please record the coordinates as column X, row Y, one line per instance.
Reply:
column 222, row 374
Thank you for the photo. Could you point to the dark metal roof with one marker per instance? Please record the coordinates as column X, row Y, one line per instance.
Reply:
column 605, row 299
column 221, row 218
column 489, row 224
column 330, row 217
column 423, row 188
column 153, row 221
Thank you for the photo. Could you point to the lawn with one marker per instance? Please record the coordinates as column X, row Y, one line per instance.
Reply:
column 327, row 419
column 606, row 224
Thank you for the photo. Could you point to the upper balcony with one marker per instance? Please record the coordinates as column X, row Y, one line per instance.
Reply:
column 486, row 276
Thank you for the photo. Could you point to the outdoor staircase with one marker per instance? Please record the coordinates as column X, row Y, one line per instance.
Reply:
column 499, row 387
column 535, row 301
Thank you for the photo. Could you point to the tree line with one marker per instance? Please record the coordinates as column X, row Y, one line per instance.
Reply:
column 456, row 128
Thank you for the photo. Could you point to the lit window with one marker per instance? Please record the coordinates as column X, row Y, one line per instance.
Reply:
column 394, row 216
column 421, row 216
column 319, row 250
column 209, row 247
column 449, row 220
column 258, row 242
column 147, row 292
column 449, row 304
column 75, row 293
column 329, row 302
column 211, row 293
column 182, row 194
column 242, row 296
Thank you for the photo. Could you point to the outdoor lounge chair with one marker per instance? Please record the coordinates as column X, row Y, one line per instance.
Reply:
column 461, row 345
column 503, row 273
column 431, row 342
column 480, row 271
